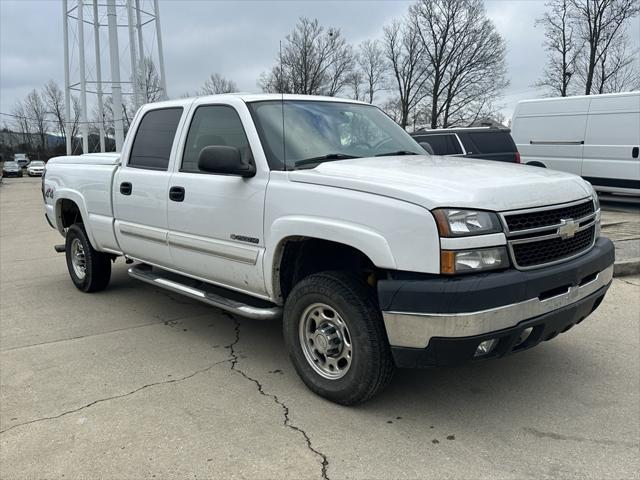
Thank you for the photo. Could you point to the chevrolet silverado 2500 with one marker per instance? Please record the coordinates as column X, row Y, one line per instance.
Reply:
column 327, row 213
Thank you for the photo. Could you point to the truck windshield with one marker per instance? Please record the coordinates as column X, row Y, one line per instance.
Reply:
column 321, row 131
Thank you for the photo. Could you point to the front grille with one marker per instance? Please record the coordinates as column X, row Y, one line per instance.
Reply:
column 550, row 234
column 545, row 218
column 551, row 250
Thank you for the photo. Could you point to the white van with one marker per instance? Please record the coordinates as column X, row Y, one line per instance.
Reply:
column 595, row 136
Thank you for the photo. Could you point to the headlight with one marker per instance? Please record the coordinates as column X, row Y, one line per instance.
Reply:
column 470, row 261
column 596, row 206
column 460, row 223
column 596, row 200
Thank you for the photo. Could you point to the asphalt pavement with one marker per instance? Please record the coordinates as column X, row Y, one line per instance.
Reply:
column 136, row 383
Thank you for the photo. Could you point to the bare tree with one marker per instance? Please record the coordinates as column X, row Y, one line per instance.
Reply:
column 22, row 122
column 76, row 109
column 149, row 83
column 466, row 59
column 617, row 70
column 372, row 64
column 355, row 82
column 314, row 61
column 405, row 52
column 217, row 84
column 53, row 97
column 35, row 110
column 600, row 24
column 563, row 47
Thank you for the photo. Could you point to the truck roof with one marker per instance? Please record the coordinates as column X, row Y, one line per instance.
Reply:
column 255, row 97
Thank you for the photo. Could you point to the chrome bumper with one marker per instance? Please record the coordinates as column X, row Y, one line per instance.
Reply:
column 415, row 330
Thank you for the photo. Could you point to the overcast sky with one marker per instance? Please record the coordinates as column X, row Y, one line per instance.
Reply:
column 238, row 39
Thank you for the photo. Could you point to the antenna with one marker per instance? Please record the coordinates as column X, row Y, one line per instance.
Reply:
column 284, row 145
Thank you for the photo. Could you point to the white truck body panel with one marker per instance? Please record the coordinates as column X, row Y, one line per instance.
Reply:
column 593, row 136
column 379, row 206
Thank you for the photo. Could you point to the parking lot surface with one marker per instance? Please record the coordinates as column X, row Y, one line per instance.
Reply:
column 133, row 382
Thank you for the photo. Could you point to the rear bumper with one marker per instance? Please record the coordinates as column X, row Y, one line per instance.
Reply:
column 440, row 321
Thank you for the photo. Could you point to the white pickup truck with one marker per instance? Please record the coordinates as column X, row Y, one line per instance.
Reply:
column 327, row 213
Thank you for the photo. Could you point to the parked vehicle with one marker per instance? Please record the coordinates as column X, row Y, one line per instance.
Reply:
column 11, row 169
column 35, row 168
column 486, row 143
column 21, row 159
column 595, row 136
column 326, row 212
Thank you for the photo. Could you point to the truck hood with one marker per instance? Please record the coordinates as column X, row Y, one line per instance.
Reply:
column 433, row 181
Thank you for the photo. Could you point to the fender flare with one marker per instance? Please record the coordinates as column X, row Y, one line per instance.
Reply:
column 369, row 242
column 78, row 199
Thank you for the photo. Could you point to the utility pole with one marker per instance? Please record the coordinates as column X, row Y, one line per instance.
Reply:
column 84, row 127
column 133, row 57
column 163, row 78
column 116, row 88
column 67, row 92
column 96, row 37
column 141, row 57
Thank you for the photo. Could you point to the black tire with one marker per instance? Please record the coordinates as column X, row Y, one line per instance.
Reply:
column 97, row 265
column 372, row 367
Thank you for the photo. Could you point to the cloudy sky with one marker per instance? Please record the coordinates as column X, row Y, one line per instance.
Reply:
column 238, row 39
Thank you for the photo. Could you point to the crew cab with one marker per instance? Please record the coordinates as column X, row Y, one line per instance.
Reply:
column 326, row 213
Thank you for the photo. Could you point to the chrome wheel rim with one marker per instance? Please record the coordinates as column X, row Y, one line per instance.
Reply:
column 78, row 260
column 325, row 341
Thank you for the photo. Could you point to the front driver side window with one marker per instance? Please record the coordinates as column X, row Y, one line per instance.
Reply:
column 214, row 125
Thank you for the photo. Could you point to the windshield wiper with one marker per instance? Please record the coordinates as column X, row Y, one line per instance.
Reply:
column 324, row 158
column 399, row 152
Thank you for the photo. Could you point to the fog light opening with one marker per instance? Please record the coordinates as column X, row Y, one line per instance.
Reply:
column 524, row 335
column 485, row 347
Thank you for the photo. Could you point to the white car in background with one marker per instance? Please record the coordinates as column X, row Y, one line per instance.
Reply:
column 35, row 168
column 594, row 136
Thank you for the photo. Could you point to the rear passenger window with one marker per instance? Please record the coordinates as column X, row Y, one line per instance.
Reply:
column 214, row 125
column 154, row 139
column 442, row 144
column 491, row 142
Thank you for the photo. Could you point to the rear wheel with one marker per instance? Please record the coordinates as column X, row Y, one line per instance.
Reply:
column 336, row 339
column 89, row 269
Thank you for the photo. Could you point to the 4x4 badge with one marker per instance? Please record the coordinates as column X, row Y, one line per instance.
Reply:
column 567, row 228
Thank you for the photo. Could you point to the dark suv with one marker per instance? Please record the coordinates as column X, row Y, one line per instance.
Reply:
column 487, row 143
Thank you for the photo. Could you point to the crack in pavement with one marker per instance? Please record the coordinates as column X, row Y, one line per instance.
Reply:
column 285, row 409
column 114, row 397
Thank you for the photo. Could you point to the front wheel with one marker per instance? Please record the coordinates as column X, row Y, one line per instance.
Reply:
column 89, row 269
column 336, row 339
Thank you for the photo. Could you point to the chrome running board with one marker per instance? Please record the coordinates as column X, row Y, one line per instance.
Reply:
column 203, row 292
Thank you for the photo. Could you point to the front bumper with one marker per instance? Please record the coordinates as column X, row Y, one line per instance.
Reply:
column 440, row 321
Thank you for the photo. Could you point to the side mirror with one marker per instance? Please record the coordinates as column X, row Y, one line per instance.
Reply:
column 224, row 160
column 426, row 146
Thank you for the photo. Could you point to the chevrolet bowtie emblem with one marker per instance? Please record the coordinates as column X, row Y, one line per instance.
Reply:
column 567, row 228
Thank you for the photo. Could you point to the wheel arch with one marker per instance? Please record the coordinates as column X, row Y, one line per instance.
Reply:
column 69, row 209
column 303, row 240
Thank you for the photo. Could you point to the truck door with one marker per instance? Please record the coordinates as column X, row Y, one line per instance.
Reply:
column 141, row 188
column 216, row 221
